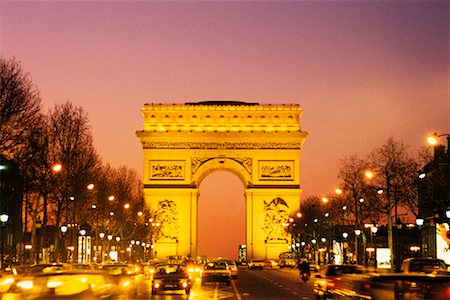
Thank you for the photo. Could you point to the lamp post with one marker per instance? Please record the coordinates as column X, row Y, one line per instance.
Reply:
column 4, row 217
column 357, row 250
column 101, row 236
column 118, row 248
column 63, row 234
column 373, row 231
column 344, row 249
column 110, row 237
column 82, row 234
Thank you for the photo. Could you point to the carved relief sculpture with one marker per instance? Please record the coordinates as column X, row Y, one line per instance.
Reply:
column 166, row 215
column 276, row 170
column 276, row 213
column 166, row 169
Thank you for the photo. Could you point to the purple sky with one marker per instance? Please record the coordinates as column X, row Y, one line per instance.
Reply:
column 361, row 71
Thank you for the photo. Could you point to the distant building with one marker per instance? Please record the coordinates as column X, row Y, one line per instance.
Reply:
column 434, row 202
column 11, row 193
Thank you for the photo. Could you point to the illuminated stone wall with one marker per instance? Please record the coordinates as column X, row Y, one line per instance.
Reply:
column 260, row 144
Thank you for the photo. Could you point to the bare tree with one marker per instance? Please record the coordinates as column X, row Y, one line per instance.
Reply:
column 357, row 195
column 127, row 202
column 19, row 106
column 395, row 175
column 35, row 168
column 71, row 145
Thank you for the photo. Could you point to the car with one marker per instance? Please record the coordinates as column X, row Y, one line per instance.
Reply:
column 314, row 267
column 216, row 271
column 328, row 281
column 64, row 284
column 195, row 269
column 423, row 265
column 271, row 264
column 232, row 266
column 171, row 277
column 391, row 286
column 256, row 264
column 125, row 276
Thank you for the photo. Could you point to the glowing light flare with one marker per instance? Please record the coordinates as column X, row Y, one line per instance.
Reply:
column 433, row 139
column 338, row 191
column 369, row 174
column 26, row 284
column 57, row 168
column 324, row 200
column 90, row 186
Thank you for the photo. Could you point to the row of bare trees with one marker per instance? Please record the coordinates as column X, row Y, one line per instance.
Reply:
column 36, row 141
column 380, row 189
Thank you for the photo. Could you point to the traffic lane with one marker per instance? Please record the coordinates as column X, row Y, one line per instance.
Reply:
column 209, row 291
column 272, row 284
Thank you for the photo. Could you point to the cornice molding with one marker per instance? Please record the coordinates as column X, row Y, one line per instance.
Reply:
column 295, row 145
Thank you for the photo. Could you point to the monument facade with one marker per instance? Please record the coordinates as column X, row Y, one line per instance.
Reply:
column 184, row 143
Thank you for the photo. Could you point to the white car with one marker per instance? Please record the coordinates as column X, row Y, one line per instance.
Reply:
column 270, row 263
column 256, row 264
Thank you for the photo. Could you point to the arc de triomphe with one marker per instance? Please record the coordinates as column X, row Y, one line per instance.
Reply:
column 184, row 143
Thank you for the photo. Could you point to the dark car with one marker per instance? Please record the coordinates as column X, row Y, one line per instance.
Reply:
column 330, row 279
column 423, row 265
column 216, row 271
column 384, row 286
column 171, row 277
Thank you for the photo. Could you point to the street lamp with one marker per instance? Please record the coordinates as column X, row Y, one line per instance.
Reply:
column 4, row 217
column 420, row 221
column 57, row 167
column 63, row 229
column 374, row 231
column 439, row 150
column 101, row 236
column 344, row 250
column 82, row 233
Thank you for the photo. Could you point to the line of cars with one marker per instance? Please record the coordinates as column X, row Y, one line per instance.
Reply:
column 419, row 278
column 183, row 275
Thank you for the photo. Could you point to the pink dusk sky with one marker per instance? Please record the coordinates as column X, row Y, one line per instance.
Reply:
column 362, row 71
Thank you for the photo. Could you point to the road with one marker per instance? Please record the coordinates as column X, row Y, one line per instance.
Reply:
column 276, row 284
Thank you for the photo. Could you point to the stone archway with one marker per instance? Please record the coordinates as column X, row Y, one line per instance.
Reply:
column 258, row 143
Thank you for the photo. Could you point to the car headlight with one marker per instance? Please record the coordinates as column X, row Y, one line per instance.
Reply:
column 7, row 281
column 126, row 283
column 157, row 284
column 54, row 284
column 26, row 284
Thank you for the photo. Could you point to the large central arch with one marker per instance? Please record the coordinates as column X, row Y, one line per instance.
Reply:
column 258, row 143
